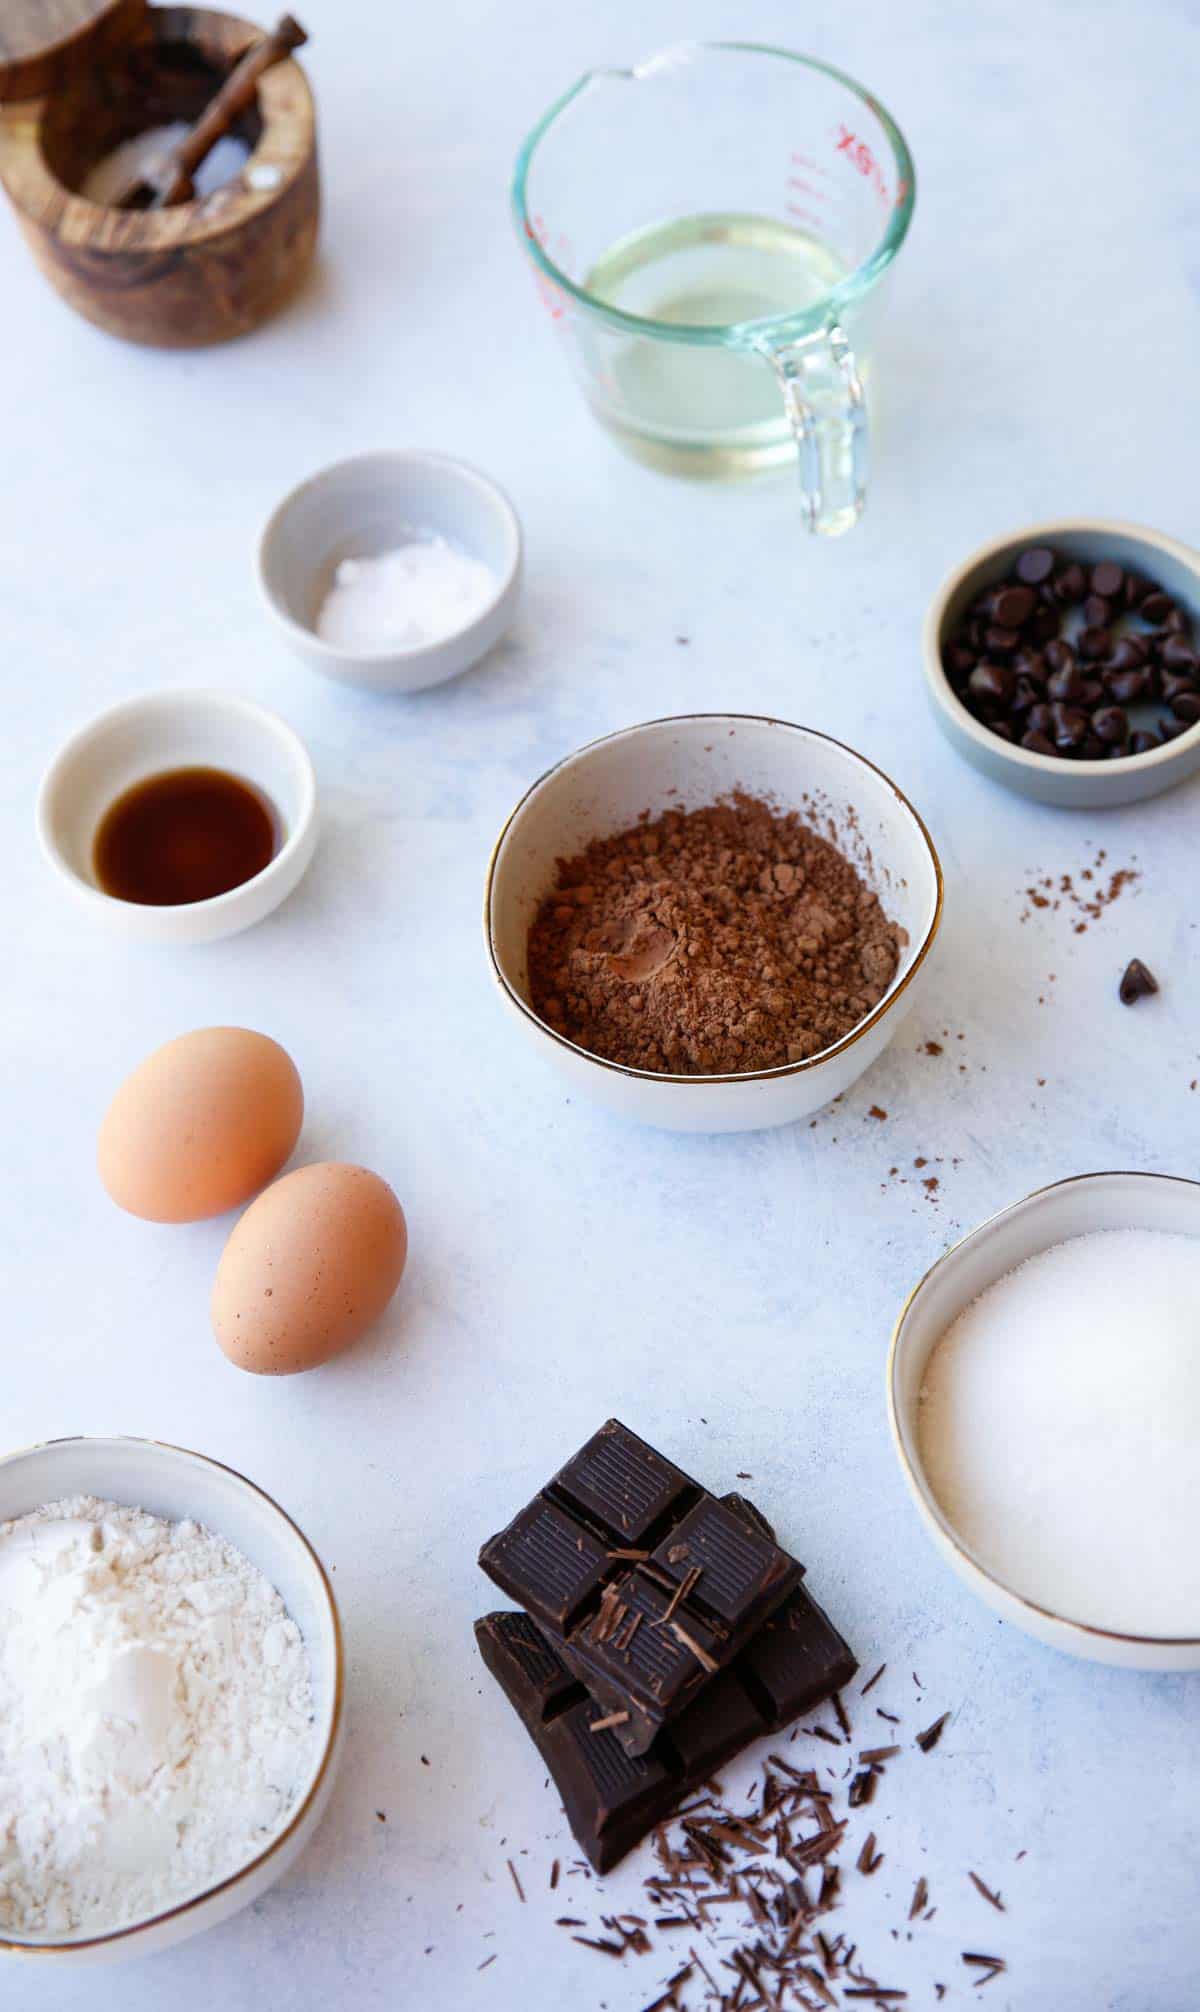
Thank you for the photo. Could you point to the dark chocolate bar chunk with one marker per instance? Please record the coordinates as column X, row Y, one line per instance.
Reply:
column 647, row 1584
column 614, row 1799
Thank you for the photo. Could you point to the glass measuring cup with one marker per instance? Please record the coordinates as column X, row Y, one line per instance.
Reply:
column 709, row 231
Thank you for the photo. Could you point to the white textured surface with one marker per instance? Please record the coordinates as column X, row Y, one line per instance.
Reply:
column 733, row 1297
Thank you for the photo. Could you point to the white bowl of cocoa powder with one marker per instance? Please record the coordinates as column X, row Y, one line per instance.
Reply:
column 713, row 923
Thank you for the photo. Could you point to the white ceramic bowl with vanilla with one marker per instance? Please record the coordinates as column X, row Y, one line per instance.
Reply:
column 171, row 1687
column 629, row 782
column 1044, row 1398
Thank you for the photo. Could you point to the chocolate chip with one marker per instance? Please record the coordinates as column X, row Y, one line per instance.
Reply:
column 1039, row 721
column 1012, row 607
column 1097, row 613
column 1059, row 654
column 1156, row 606
column 999, row 641
column 1126, row 687
column 1092, row 643
column 1107, row 578
column 1137, row 982
column 1045, row 624
column 1109, row 723
column 1071, row 584
column 1035, row 565
column 1002, row 730
column 1128, row 653
column 1038, row 744
column 1070, row 726
column 1030, row 664
column 991, row 684
column 1176, row 622
column 1174, row 685
column 1142, row 742
column 958, row 660
column 1186, row 706
column 1065, row 685
column 1179, row 652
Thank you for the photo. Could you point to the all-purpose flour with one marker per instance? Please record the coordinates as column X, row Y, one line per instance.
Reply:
column 1060, row 1429
column 155, row 1715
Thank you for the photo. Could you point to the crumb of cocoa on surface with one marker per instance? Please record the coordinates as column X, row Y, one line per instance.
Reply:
column 708, row 942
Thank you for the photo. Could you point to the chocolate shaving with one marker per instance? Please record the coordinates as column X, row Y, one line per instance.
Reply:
column 840, row 1714
column 920, row 1899
column 820, row 1733
column 993, row 1899
column 606, row 1725
column 516, row 1880
column 593, row 1942
column 872, row 1681
column 889, row 1716
column 554, row 1875
column 685, row 1586
column 487, row 1960
column 702, row 1656
column 873, row 1755
column 862, row 1788
column 932, row 1734
column 869, row 1860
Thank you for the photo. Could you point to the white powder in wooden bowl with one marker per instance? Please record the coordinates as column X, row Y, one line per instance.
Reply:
column 1059, row 1428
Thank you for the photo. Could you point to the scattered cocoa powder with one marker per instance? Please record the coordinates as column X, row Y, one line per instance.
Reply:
column 709, row 942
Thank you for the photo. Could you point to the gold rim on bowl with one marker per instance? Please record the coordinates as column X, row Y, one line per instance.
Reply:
column 910, row 1467
column 784, row 1069
column 79, row 1944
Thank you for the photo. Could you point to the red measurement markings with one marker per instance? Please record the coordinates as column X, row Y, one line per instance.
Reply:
column 807, row 161
column 806, row 189
column 799, row 216
column 550, row 295
column 859, row 154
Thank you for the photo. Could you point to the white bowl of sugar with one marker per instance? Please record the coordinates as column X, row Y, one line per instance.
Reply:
column 392, row 571
column 1044, row 1400
column 172, row 1680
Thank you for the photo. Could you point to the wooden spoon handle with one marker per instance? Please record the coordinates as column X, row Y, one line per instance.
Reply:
column 173, row 181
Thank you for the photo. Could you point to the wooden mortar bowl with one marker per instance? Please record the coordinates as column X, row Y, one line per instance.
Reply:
column 202, row 271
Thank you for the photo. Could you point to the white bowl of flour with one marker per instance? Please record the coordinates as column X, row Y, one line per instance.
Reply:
column 171, row 1683
column 1044, row 1396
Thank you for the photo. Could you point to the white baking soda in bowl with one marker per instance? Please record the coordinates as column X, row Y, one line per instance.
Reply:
column 1059, row 1430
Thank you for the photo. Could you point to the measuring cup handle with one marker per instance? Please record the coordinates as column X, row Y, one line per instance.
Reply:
column 823, row 395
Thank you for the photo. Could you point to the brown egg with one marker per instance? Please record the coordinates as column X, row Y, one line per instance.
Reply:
column 201, row 1125
column 308, row 1268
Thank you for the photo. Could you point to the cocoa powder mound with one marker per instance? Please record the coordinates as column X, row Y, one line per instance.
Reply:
column 708, row 942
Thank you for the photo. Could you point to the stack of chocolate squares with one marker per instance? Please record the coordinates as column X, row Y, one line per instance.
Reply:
column 663, row 1631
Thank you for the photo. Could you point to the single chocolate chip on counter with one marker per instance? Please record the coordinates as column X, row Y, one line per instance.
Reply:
column 1035, row 565
column 1107, row 578
column 1137, row 982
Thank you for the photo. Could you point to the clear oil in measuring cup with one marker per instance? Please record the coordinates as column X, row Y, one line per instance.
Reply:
column 712, row 409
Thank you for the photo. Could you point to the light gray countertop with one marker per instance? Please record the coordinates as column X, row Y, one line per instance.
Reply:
column 731, row 1298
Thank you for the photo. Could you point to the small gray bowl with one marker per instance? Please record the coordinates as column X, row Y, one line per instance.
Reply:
column 1083, row 785
column 359, row 508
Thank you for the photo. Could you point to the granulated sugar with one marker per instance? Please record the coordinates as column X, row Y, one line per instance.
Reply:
column 1060, row 1430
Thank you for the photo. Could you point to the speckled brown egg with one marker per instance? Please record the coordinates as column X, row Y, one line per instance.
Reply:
column 201, row 1125
column 308, row 1268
